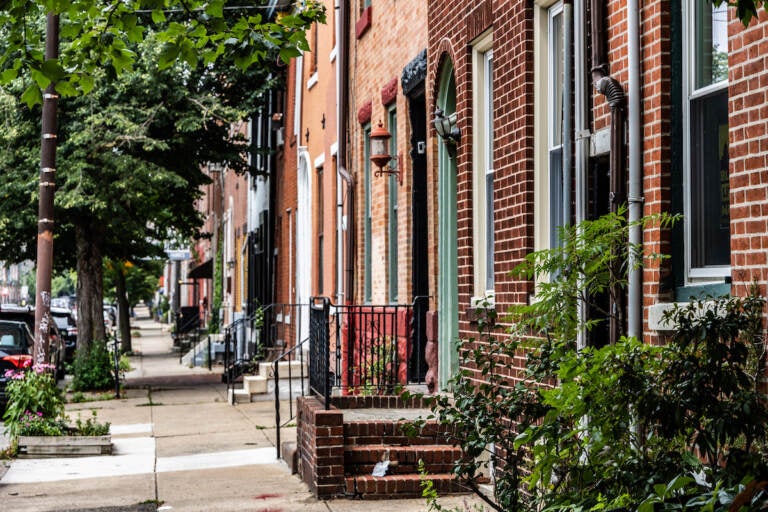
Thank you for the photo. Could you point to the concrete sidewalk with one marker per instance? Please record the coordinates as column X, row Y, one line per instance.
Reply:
column 179, row 446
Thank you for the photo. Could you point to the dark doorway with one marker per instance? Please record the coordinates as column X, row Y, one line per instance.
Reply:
column 599, row 204
column 417, row 367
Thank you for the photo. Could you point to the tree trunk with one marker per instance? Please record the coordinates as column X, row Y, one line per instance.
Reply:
column 90, row 286
column 123, row 313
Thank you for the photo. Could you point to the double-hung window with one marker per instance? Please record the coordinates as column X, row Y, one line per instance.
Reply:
column 705, row 108
column 483, row 172
column 555, row 56
column 367, row 227
column 392, row 213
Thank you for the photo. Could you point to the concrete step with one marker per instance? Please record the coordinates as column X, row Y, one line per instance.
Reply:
column 255, row 384
column 400, row 486
column 239, row 396
column 438, row 458
column 293, row 369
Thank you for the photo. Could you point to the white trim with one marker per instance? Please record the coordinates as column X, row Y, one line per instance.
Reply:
column 482, row 162
column 334, row 149
column 334, row 52
column 312, row 80
column 690, row 93
column 320, row 161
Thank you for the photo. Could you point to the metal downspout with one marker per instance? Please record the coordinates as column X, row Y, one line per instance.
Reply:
column 342, row 110
column 635, row 285
column 581, row 131
column 567, row 109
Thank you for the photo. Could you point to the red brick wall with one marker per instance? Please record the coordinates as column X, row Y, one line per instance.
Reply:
column 286, row 198
column 452, row 25
column 395, row 37
column 320, row 444
column 748, row 151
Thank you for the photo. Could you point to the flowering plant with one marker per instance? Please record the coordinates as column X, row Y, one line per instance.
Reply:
column 31, row 390
column 35, row 424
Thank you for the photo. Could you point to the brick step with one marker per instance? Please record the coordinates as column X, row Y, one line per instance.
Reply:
column 400, row 486
column 371, row 432
column 438, row 458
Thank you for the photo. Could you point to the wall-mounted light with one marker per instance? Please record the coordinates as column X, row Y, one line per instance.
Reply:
column 387, row 164
column 448, row 130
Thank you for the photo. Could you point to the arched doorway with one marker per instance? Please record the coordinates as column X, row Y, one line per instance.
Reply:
column 447, row 253
column 303, row 243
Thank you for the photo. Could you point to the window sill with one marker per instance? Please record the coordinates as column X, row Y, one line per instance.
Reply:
column 312, row 80
column 364, row 22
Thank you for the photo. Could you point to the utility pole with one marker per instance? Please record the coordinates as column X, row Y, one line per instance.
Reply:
column 45, row 205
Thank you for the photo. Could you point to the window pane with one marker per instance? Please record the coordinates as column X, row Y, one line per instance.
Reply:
column 711, row 59
column 556, row 74
column 555, row 196
column 367, row 285
column 489, row 236
column 709, row 216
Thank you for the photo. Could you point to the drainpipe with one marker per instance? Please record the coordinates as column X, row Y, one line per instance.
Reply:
column 342, row 109
column 581, row 129
column 635, row 285
column 567, row 108
column 614, row 95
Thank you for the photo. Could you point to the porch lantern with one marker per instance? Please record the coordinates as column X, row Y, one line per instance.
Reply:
column 448, row 130
column 380, row 155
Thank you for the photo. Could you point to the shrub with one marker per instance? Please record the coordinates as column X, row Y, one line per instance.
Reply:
column 610, row 426
column 91, row 426
column 93, row 370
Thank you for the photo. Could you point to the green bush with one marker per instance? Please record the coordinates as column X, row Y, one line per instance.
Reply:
column 91, row 426
column 94, row 369
column 622, row 426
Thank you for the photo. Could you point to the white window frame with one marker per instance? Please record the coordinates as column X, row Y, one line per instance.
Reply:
column 483, row 232
column 693, row 274
column 555, row 188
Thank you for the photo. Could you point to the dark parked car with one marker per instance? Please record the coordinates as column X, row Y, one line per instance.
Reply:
column 15, row 351
column 26, row 314
column 67, row 324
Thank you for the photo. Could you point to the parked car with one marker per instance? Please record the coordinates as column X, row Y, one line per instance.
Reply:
column 67, row 324
column 26, row 314
column 15, row 351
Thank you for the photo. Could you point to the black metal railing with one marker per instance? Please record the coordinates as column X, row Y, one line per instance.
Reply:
column 242, row 348
column 294, row 354
column 354, row 349
column 204, row 349
column 319, row 350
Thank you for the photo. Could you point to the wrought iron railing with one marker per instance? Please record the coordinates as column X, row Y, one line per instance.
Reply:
column 294, row 354
column 355, row 349
column 319, row 349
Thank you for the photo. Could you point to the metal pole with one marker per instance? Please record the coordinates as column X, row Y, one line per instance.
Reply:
column 635, row 284
column 117, row 366
column 45, row 202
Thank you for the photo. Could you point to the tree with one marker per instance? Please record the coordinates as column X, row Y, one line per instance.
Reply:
column 127, row 284
column 98, row 36
column 130, row 154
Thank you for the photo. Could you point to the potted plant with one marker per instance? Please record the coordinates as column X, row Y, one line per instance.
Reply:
column 36, row 423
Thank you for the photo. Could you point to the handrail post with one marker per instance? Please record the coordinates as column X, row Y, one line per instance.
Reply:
column 276, row 372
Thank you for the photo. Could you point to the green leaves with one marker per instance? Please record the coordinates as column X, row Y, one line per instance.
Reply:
column 94, row 37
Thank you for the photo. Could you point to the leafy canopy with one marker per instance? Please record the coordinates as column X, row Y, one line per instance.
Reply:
column 100, row 35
